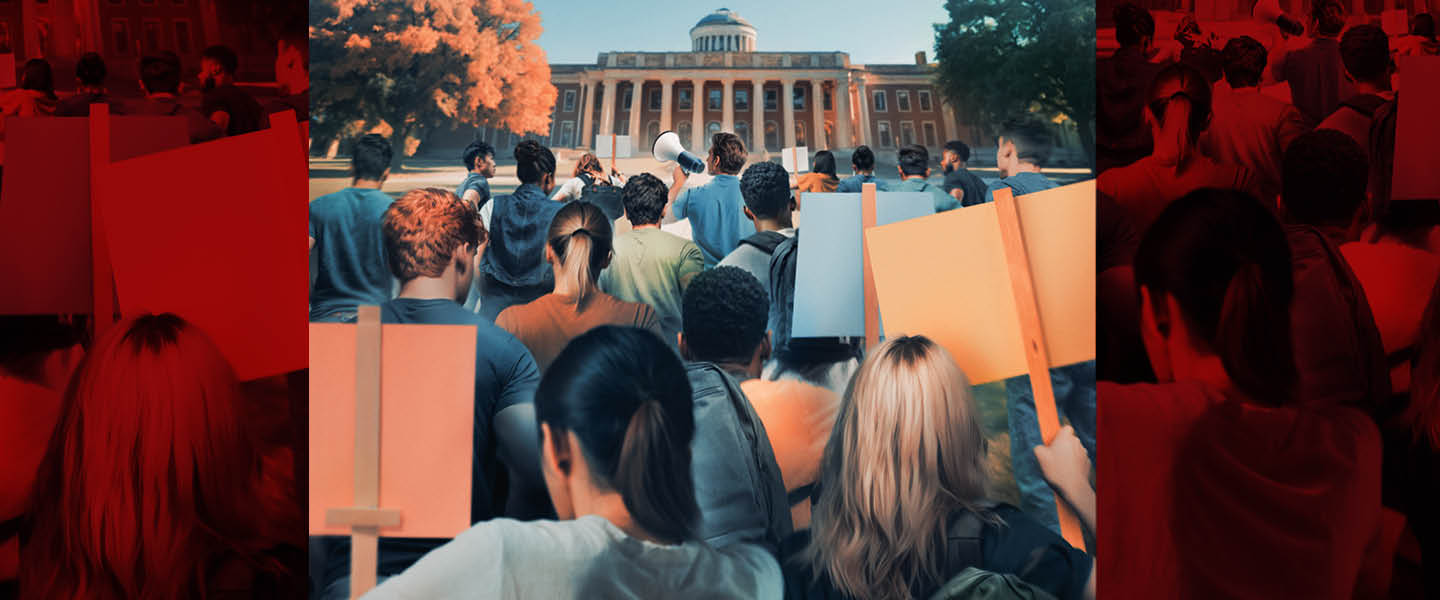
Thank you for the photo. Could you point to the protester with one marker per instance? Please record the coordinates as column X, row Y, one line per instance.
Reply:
column 578, row 247
column 1022, row 149
column 1315, row 72
column 89, row 89
column 651, row 266
column 513, row 264
column 769, row 205
column 160, row 79
column 903, row 503
column 1412, row 454
column 36, row 95
column 967, row 188
column 1250, row 129
column 479, row 161
column 821, row 177
column 1122, row 84
column 1365, row 52
column 588, row 171
column 345, row 237
column 615, row 416
column 153, row 486
column 914, row 167
column 1178, row 113
column 1248, row 483
column 862, row 163
column 232, row 109
column 292, row 73
column 715, row 209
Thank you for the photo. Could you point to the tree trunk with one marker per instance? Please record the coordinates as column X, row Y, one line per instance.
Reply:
column 397, row 148
column 1083, row 126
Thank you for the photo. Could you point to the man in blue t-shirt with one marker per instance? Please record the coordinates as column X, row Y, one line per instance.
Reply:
column 716, row 209
column 432, row 239
column 913, row 162
column 347, row 256
column 862, row 163
column 479, row 161
column 1023, row 147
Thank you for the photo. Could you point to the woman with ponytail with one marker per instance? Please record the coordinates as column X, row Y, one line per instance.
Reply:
column 1247, row 493
column 578, row 248
column 616, row 425
column 1178, row 111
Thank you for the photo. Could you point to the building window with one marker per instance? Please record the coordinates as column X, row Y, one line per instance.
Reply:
column 153, row 39
column 569, row 101
column 42, row 36
column 652, row 131
column 714, row 97
column 567, row 134
column 742, row 100
column 711, row 129
column 684, row 131
column 800, row 133
column 684, row 100
column 626, row 98
column 907, row 133
column 772, row 99
column 879, row 101
column 828, row 100
column 655, row 99
column 742, row 131
column 772, row 136
column 882, row 130
column 120, row 36
column 5, row 37
column 798, row 95
column 924, row 96
column 928, row 128
column 182, row 36
column 902, row 100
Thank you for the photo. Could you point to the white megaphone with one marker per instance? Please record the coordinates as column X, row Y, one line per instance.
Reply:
column 667, row 147
column 1268, row 11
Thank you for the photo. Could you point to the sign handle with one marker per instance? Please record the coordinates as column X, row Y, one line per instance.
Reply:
column 612, row 155
column 365, row 539
column 1037, row 359
column 872, row 306
column 102, row 277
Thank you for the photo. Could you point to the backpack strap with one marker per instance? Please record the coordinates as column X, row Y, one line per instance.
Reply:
column 963, row 542
column 1365, row 104
column 766, row 241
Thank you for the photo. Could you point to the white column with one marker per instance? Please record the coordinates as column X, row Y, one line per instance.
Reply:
column 947, row 114
column 727, row 102
column 587, row 119
column 757, row 127
column 608, row 87
column 842, row 113
column 817, row 89
column 697, row 121
column 787, row 108
column 864, row 98
column 665, row 95
column 637, row 102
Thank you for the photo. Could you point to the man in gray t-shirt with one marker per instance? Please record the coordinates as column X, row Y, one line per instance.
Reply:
column 766, row 189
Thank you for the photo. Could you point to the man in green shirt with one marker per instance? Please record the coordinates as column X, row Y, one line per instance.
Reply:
column 651, row 266
column 914, row 164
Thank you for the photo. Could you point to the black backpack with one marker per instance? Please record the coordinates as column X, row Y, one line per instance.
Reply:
column 603, row 195
column 782, row 291
column 766, row 241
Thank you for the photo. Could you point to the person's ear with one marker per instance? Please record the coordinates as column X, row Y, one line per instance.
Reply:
column 749, row 215
column 608, row 256
column 766, row 348
column 385, row 174
column 558, row 457
column 684, row 348
column 927, row 172
column 900, row 171
column 550, row 255
column 794, row 203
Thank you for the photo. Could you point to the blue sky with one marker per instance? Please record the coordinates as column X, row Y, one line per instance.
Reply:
column 872, row 31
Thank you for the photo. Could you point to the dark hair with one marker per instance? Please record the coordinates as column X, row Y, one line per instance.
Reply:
column 1324, row 175
column 533, row 161
column 730, row 152
column 625, row 396
column 424, row 229
column 1132, row 24
column 1245, row 60
column 645, row 197
column 580, row 230
column 1032, row 139
column 958, row 148
column 223, row 56
column 1329, row 17
column 1224, row 258
column 1365, row 50
column 1423, row 25
column 90, row 69
column 371, row 157
column 913, row 159
column 160, row 73
column 1207, row 60
column 824, row 163
column 1181, row 81
column 26, row 340
column 863, row 159
column 723, row 315
column 765, row 186
column 38, row 76
column 475, row 151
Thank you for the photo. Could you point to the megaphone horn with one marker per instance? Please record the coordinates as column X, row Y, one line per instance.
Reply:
column 667, row 147
column 1269, row 11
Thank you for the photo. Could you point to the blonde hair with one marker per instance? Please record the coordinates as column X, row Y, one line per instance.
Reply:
column 580, row 236
column 907, row 451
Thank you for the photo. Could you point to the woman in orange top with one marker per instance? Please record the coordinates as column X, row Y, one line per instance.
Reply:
column 821, row 177
column 578, row 249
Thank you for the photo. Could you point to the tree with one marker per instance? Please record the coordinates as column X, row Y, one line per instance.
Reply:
column 1002, row 57
column 409, row 66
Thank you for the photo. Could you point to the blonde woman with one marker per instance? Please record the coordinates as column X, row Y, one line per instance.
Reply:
column 902, row 504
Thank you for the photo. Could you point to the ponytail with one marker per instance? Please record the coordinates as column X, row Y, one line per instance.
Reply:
column 574, row 276
column 1172, row 139
column 580, row 237
column 644, row 476
column 1179, row 101
column 1245, row 342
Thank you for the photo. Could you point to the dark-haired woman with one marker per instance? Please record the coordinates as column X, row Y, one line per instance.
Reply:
column 821, row 177
column 1246, row 494
column 616, row 425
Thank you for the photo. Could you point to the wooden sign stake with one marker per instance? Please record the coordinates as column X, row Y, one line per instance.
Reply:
column 1037, row 357
column 366, row 518
column 612, row 153
column 795, row 160
column 872, row 305
column 102, row 278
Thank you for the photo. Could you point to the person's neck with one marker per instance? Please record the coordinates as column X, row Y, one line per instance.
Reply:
column 1207, row 369
column 774, row 223
column 740, row 371
column 428, row 288
column 655, row 225
column 908, row 177
column 1023, row 167
column 611, row 507
column 869, row 173
column 1367, row 87
column 366, row 183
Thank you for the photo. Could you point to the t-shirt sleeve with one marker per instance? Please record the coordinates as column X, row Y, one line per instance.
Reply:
column 521, row 379
column 1038, row 556
column 682, row 204
column 692, row 262
column 468, row 566
column 310, row 220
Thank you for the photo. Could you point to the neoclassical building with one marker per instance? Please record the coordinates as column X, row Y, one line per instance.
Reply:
column 725, row 82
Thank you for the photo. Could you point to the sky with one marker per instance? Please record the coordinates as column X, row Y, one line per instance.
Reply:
column 884, row 31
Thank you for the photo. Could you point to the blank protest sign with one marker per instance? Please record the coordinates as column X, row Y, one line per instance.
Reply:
column 1416, row 129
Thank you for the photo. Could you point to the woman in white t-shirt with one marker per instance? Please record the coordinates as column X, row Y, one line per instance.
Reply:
column 588, row 170
column 616, row 423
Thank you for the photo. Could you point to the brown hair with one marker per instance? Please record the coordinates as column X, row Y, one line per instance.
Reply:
column 589, row 164
column 728, row 152
column 424, row 231
column 580, row 235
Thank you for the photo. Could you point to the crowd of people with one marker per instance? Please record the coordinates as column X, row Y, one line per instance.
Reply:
column 687, row 443
column 1267, row 316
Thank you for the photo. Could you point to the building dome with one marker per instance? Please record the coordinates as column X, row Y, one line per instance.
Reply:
column 722, row 31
